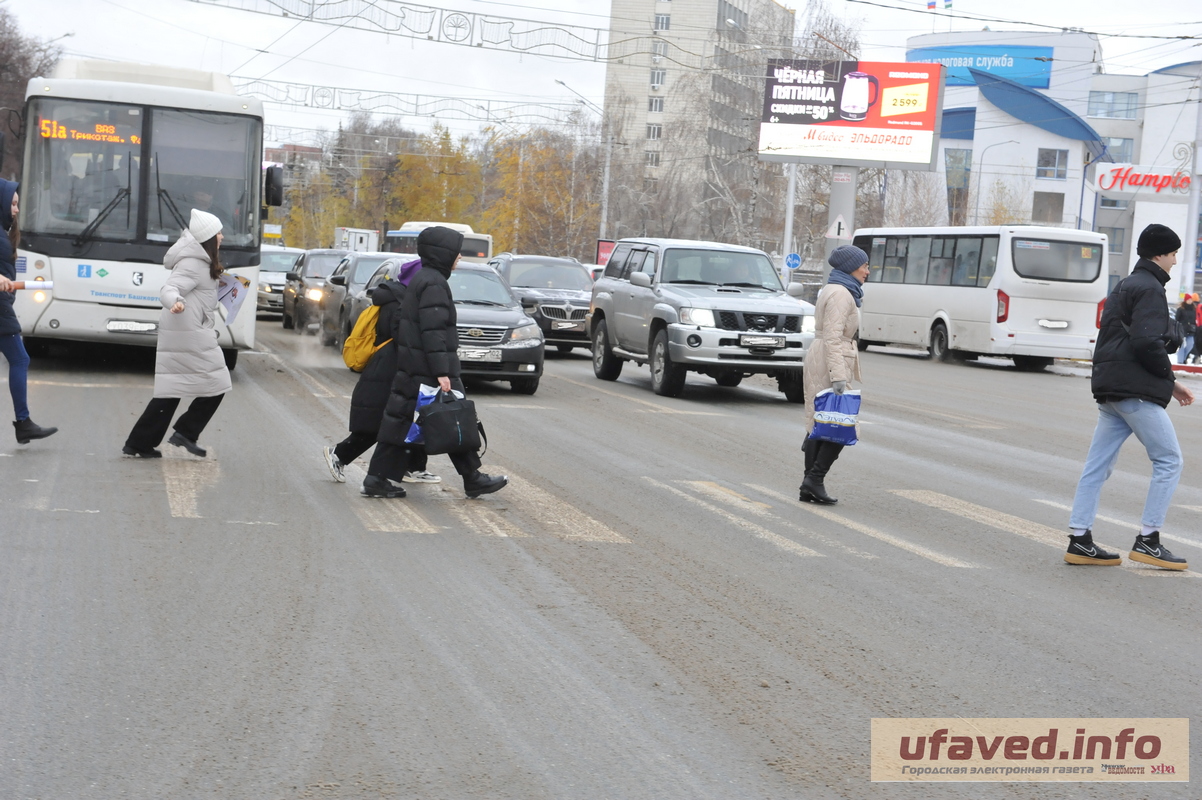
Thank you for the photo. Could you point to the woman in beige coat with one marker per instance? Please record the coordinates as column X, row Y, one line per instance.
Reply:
column 833, row 361
column 188, row 360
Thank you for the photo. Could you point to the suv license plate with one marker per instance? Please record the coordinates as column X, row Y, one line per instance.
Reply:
column 755, row 340
column 129, row 326
column 478, row 354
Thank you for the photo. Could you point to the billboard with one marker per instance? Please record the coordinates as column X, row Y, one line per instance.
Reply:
column 857, row 113
column 1133, row 182
column 1025, row 64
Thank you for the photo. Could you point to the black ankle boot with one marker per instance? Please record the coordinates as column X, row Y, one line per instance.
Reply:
column 28, row 430
column 812, row 491
column 479, row 483
column 179, row 440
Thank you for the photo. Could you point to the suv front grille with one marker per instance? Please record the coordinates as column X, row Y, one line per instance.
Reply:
column 476, row 335
column 563, row 312
column 750, row 321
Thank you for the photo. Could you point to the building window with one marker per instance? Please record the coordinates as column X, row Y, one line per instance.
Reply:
column 727, row 11
column 1048, row 207
column 653, row 159
column 658, row 77
column 654, row 131
column 1111, row 202
column 663, row 22
column 655, row 104
column 651, row 186
column 1116, row 237
column 1121, row 150
column 1113, row 105
column 1052, row 164
column 659, row 49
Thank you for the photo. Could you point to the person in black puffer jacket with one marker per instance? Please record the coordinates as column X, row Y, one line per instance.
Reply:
column 11, row 344
column 1187, row 318
column 372, row 390
column 1133, row 383
column 427, row 344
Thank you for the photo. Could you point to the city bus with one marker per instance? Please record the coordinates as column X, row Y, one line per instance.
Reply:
column 1031, row 294
column 116, row 157
column 477, row 247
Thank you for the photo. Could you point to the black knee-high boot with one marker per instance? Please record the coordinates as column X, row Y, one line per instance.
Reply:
column 820, row 457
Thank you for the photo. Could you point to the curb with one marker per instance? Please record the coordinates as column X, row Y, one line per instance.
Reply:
column 1192, row 368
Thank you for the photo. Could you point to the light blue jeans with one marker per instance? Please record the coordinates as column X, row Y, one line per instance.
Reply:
column 1116, row 421
column 1187, row 346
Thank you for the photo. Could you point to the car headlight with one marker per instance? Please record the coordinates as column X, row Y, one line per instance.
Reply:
column 807, row 323
column 314, row 294
column 529, row 331
column 698, row 316
column 265, row 287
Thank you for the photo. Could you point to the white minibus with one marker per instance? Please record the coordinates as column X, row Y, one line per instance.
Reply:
column 477, row 247
column 1027, row 293
column 116, row 157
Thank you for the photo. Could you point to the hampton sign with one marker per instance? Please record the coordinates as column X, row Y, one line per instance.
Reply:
column 1158, row 184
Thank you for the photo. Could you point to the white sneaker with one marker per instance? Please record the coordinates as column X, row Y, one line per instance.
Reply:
column 421, row 477
column 334, row 464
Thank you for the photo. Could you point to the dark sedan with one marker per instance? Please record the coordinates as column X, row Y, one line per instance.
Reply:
column 555, row 292
column 305, row 287
column 348, row 280
column 497, row 340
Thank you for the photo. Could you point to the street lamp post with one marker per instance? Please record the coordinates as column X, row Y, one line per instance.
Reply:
column 976, row 212
column 609, row 147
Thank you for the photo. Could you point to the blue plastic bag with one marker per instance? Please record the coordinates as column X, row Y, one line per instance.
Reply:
column 835, row 416
column 425, row 396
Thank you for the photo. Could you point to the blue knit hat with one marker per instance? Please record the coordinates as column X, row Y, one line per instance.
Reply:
column 847, row 258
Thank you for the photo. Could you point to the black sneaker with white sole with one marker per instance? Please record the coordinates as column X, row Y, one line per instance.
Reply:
column 1083, row 550
column 1149, row 550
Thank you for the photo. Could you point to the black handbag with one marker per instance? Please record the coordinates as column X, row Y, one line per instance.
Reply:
column 449, row 425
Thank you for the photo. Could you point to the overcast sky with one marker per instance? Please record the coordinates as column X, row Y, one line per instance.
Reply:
column 188, row 34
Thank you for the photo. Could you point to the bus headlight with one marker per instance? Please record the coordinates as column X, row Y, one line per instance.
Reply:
column 314, row 294
column 39, row 297
column 702, row 317
column 807, row 323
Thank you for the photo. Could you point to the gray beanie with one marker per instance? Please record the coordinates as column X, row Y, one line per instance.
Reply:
column 847, row 258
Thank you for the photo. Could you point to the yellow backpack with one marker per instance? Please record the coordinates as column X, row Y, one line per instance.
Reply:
column 361, row 345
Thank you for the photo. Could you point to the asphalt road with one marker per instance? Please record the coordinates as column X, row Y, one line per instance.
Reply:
column 645, row 612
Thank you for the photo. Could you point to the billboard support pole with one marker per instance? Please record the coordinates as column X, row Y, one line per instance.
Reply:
column 1195, row 190
column 790, row 200
column 844, row 182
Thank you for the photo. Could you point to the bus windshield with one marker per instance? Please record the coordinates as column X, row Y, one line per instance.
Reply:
column 85, row 161
column 1048, row 260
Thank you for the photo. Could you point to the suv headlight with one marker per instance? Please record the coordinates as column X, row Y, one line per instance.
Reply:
column 703, row 317
column 807, row 323
column 528, row 331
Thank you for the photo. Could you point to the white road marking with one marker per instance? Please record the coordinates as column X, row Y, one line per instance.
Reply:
column 719, row 492
column 1012, row 524
column 788, row 545
column 958, row 420
column 556, row 516
column 480, row 518
column 78, row 510
column 887, row 538
column 385, row 515
column 1125, row 524
column 592, row 387
column 248, row 522
column 184, row 478
column 91, row 385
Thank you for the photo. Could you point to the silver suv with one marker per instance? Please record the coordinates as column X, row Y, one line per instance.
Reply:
column 683, row 306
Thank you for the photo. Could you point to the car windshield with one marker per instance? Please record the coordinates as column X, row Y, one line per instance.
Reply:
column 366, row 267
column 719, row 268
column 471, row 286
column 548, row 275
column 321, row 264
column 276, row 262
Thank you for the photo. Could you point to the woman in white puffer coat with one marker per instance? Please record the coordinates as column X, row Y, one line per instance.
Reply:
column 188, row 360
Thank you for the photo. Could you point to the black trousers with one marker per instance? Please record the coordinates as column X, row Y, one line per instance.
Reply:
column 152, row 426
column 360, row 442
column 392, row 461
column 820, row 457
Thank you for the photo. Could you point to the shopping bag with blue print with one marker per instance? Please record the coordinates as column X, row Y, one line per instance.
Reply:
column 835, row 416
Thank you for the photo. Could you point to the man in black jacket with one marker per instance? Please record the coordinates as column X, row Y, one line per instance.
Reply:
column 1133, row 383
column 427, row 347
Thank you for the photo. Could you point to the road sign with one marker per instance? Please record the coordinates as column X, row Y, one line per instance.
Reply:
column 792, row 261
column 839, row 229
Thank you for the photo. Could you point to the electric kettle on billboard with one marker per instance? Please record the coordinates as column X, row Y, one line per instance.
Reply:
column 855, row 103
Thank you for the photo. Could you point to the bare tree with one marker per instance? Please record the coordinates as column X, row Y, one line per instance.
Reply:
column 21, row 58
column 915, row 199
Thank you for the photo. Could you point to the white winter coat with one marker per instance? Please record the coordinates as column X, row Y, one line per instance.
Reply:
column 188, row 361
column 833, row 356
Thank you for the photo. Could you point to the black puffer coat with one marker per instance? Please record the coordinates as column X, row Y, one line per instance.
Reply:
column 375, row 382
column 1136, row 364
column 8, row 265
column 1187, row 315
column 427, row 341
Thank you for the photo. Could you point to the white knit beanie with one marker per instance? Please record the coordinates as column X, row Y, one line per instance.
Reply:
column 203, row 225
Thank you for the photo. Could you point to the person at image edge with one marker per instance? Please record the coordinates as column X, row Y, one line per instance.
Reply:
column 1132, row 383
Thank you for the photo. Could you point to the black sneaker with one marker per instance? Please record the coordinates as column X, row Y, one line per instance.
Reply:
column 1082, row 550
column 1149, row 550
column 179, row 440
column 375, row 486
column 138, row 452
column 479, row 483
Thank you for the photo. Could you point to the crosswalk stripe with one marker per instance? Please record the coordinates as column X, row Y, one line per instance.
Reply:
column 1125, row 524
column 475, row 517
column 788, row 545
column 1016, row 525
column 557, row 517
column 717, row 491
column 593, row 387
column 183, row 479
column 384, row 515
column 887, row 538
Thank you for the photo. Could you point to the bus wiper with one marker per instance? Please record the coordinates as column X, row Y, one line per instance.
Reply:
column 122, row 194
column 482, row 302
column 162, row 195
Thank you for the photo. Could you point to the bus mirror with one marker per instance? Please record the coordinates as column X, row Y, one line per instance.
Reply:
column 273, row 186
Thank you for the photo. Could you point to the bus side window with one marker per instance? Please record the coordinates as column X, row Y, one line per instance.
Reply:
column 875, row 248
column 918, row 259
column 895, row 259
column 940, row 271
column 968, row 256
column 989, row 247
